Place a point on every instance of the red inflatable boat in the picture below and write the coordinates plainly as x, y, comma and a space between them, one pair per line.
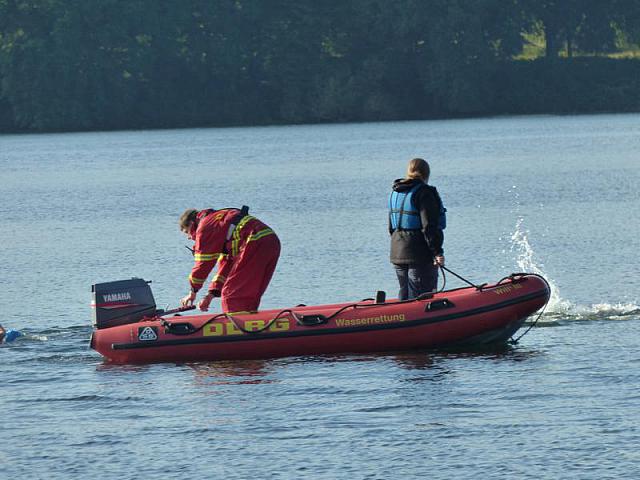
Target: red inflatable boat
129, 328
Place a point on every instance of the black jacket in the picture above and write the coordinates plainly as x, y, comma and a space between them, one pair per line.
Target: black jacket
418, 246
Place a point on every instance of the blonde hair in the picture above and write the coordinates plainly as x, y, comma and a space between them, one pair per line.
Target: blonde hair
418, 168
187, 218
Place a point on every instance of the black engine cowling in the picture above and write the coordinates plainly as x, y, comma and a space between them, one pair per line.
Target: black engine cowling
122, 301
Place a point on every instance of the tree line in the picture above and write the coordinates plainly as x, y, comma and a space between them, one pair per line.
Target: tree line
114, 64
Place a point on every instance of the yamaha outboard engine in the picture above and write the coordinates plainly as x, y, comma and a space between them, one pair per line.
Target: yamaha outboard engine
123, 301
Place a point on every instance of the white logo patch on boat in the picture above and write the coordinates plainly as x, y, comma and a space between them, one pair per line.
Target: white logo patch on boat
147, 334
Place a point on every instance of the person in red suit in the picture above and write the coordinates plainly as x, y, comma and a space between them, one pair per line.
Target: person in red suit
245, 249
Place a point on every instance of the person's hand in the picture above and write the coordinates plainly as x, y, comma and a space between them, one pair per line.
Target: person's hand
439, 260
206, 301
187, 300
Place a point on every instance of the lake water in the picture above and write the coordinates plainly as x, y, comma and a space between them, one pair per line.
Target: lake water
553, 195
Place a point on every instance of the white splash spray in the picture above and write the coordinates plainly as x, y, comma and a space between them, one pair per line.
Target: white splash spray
558, 307
526, 262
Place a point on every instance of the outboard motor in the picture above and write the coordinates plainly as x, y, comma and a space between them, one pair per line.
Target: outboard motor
123, 301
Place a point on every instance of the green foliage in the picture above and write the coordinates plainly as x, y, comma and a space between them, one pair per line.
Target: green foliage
107, 64
596, 84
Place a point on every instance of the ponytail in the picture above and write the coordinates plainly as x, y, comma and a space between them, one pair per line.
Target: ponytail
418, 169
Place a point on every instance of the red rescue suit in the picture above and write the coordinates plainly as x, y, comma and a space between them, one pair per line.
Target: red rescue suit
247, 254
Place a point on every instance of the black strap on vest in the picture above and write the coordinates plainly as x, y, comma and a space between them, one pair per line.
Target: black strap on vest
244, 211
404, 201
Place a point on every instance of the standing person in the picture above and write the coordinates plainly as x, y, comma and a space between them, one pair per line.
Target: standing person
246, 250
416, 223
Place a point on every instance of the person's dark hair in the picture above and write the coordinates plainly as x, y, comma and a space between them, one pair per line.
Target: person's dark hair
187, 218
418, 168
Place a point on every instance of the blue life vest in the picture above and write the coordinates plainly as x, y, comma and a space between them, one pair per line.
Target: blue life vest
404, 215
11, 335
442, 221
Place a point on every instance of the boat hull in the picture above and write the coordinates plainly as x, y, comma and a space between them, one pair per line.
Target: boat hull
462, 317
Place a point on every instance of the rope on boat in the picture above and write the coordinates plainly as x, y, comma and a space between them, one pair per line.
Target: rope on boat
444, 279
514, 341
188, 329
443, 268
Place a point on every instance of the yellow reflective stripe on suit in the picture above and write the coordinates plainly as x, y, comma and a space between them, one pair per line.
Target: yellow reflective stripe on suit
260, 234
205, 257
197, 281
235, 244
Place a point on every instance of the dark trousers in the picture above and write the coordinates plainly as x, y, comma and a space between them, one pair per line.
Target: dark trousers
415, 280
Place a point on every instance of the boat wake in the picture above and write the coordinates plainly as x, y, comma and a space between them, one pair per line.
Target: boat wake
51, 335
560, 310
